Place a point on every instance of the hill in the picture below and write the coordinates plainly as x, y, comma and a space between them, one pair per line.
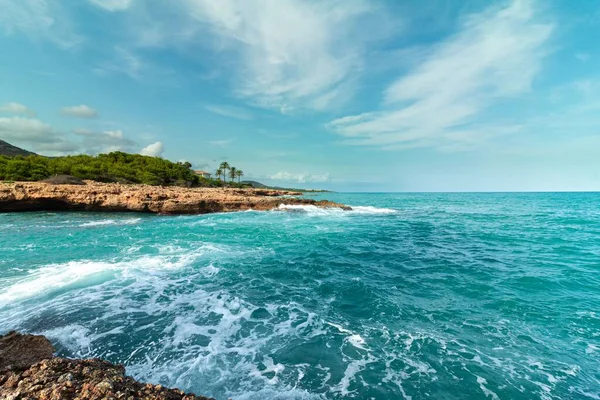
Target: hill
7, 149
254, 184
258, 185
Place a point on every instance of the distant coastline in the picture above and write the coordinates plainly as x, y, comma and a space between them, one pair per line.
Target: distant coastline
120, 181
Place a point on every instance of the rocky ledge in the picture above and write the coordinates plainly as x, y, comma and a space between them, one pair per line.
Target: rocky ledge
28, 370
94, 196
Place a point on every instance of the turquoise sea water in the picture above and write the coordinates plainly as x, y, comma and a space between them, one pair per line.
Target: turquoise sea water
445, 296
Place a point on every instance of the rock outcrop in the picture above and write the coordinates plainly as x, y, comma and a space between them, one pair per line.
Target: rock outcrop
64, 180
22, 351
29, 371
94, 196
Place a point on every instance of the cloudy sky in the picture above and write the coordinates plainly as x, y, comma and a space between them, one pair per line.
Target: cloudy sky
440, 95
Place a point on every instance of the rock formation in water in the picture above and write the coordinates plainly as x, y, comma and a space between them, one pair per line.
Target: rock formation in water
28, 370
94, 196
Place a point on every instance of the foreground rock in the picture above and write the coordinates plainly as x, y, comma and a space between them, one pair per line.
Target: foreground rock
28, 371
94, 196
21, 351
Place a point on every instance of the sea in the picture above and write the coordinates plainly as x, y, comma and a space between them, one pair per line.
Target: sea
408, 296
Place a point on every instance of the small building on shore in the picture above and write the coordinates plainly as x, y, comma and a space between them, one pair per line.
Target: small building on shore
202, 174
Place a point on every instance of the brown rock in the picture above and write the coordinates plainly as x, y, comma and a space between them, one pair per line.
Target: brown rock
94, 196
64, 180
40, 377
19, 352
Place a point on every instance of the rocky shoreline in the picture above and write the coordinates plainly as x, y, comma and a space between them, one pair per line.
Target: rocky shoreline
28, 370
95, 196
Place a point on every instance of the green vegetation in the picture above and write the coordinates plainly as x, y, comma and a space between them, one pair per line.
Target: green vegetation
233, 173
238, 174
112, 167
21, 165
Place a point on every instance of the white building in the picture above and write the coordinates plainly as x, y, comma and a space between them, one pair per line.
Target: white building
203, 174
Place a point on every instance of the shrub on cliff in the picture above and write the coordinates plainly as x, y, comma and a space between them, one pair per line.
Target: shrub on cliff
112, 167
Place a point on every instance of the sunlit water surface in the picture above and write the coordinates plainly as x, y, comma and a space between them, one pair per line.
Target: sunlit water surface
445, 296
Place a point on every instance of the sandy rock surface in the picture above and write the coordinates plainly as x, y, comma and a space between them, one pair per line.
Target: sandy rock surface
94, 196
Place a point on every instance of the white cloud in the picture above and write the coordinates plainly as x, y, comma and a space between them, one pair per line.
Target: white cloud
128, 62
291, 50
123, 62
229, 111
495, 55
301, 178
103, 142
153, 150
16, 108
285, 55
112, 5
281, 54
114, 134
33, 134
25, 129
40, 20
81, 111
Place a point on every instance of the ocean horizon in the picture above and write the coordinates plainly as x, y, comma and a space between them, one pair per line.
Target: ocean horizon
411, 295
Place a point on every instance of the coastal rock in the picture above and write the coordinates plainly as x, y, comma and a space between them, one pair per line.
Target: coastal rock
64, 180
21, 351
28, 371
95, 196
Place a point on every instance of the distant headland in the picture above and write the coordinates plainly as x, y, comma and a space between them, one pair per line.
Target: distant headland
19, 165
120, 181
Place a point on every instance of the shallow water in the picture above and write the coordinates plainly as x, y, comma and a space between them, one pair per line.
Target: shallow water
445, 296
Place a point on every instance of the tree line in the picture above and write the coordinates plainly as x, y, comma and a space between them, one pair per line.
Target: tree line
112, 167
226, 170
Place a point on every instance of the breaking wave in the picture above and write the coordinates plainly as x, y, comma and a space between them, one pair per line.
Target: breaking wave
320, 211
105, 222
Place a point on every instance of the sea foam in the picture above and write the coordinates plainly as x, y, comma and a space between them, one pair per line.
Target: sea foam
105, 222
320, 211
47, 279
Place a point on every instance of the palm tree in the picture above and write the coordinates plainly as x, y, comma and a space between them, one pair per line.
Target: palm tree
218, 173
239, 173
224, 167
232, 173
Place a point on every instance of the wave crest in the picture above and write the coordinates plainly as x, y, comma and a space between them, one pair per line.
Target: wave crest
314, 210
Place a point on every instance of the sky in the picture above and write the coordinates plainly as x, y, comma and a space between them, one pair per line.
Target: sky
348, 95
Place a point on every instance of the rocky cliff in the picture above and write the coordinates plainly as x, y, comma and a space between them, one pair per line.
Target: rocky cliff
28, 370
94, 196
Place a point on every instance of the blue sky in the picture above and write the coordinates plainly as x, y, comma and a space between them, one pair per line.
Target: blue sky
441, 95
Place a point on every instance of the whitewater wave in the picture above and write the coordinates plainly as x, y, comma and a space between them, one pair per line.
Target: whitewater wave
372, 210
319, 211
197, 338
56, 277
105, 222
